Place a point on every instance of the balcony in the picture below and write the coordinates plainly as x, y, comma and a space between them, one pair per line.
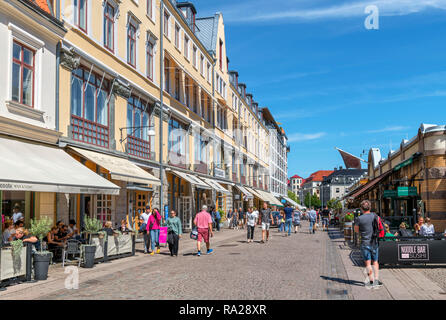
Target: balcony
89, 132
201, 167
138, 147
177, 160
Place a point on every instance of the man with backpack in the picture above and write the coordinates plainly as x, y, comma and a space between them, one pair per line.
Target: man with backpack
312, 217
370, 227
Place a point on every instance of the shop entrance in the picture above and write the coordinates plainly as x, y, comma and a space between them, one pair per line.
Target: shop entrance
185, 212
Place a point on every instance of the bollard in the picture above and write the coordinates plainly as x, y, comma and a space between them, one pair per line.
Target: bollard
133, 244
29, 263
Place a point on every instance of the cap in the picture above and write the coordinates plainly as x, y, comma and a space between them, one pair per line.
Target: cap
147, 207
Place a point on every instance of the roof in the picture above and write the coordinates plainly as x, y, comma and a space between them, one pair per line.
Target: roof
348, 172
207, 31
318, 176
296, 177
44, 5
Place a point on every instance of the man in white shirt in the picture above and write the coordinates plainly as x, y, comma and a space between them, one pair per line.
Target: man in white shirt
17, 214
145, 216
251, 220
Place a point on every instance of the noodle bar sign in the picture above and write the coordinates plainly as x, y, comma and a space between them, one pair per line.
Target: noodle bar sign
410, 252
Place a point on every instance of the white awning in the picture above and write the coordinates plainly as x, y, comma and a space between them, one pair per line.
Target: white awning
218, 187
245, 192
120, 168
253, 192
267, 196
292, 202
35, 167
192, 179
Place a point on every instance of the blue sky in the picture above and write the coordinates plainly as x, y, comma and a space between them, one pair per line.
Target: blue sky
331, 82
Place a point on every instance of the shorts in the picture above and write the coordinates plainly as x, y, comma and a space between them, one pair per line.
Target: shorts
369, 252
325, 221
265, 226
296, 223
203, 233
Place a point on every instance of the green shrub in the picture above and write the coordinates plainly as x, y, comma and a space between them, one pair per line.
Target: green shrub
40, 228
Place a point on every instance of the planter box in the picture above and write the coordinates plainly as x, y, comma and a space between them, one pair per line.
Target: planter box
12, 267
100, 243
119, 245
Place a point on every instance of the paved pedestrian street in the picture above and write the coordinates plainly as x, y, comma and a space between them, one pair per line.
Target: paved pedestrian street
300, 267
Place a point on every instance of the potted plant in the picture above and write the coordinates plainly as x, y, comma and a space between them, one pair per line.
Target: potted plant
41, 259
91, 226
348, 226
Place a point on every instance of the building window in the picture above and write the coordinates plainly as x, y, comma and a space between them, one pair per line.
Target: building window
150, 60
195, 97
166, 76
186, 91
221, 55
208, 72
203, 105
89, 107
150, 8
81, 10
138, 123
177, 141
109, 22
202, 64
177, 36
177, 84
209, 111
186, 47
166, 24
23, 74
194, 57
131, 45
104, 206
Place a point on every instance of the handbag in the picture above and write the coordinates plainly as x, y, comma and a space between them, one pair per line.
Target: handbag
142, 228
194, 233
170, 237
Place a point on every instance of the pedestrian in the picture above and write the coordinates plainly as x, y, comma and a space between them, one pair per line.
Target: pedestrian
296, 219
203, 222
326, 216
174, 232
251, 220
153, 227
288, 211
312, 217
229, 217
217, 219
144, 218
241, 218
364, 224
235, 220
267, 218
281, 220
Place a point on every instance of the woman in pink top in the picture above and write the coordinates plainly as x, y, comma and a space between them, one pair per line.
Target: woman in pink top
153, 227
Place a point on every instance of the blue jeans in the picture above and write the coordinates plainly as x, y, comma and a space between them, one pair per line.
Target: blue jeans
154, 237
369, 252
311, 225
281, 227
288, 223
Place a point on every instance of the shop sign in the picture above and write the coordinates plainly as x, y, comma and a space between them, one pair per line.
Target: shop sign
407, 192
219, 173
390, 194
407, 252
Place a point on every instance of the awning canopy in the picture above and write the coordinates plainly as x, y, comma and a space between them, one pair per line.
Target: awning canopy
268, 197
215, 185
290, 201
245, 192
368, 186
120, 169
35, 167
254, 193
197, 182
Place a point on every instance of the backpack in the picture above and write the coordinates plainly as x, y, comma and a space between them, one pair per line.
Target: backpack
378, 228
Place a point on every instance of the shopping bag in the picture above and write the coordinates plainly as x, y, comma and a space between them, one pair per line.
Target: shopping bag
163, 235
194, 234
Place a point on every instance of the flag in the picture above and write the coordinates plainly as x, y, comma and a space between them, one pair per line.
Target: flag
350, 161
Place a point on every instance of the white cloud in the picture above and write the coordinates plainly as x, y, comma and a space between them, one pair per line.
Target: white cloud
297, 137
389, 129
345, 10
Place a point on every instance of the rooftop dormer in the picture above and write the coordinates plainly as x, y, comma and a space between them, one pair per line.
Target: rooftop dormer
189, 12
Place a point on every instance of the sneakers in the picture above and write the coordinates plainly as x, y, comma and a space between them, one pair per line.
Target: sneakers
152, 253
261, 241
158, 251
198, 253
368, 285
377, 284
210, 251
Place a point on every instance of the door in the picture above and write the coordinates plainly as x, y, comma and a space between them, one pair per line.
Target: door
185, 212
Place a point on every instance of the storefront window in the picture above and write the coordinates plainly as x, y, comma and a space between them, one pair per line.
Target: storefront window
10, 199
104, 207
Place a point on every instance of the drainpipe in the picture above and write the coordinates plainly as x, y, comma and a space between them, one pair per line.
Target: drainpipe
161, 105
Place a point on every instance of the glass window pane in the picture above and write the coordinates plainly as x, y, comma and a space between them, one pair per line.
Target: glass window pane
16, 81
27, 87
145, 124
76, 97
28, 56
137, 129
90, 103
16, 50
82, 13
102, 108
129, 118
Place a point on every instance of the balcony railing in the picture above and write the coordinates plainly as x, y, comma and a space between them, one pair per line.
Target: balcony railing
201, 167
177, 160
89, 132
138, 147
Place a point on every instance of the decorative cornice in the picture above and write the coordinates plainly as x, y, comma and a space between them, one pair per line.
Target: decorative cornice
120, 88
69, 59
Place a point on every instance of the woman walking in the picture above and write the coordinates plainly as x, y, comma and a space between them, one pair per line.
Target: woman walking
153, 227
174, 232
296, 220
251, 220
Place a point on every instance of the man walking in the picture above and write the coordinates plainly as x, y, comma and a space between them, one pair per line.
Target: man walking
312, 217
366, 225
267, 217
241, 218
203, 221
251, 220
145, 217
326, 216
288, 219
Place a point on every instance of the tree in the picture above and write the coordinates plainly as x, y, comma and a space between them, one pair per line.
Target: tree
293, 196
334, 204
312, 200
